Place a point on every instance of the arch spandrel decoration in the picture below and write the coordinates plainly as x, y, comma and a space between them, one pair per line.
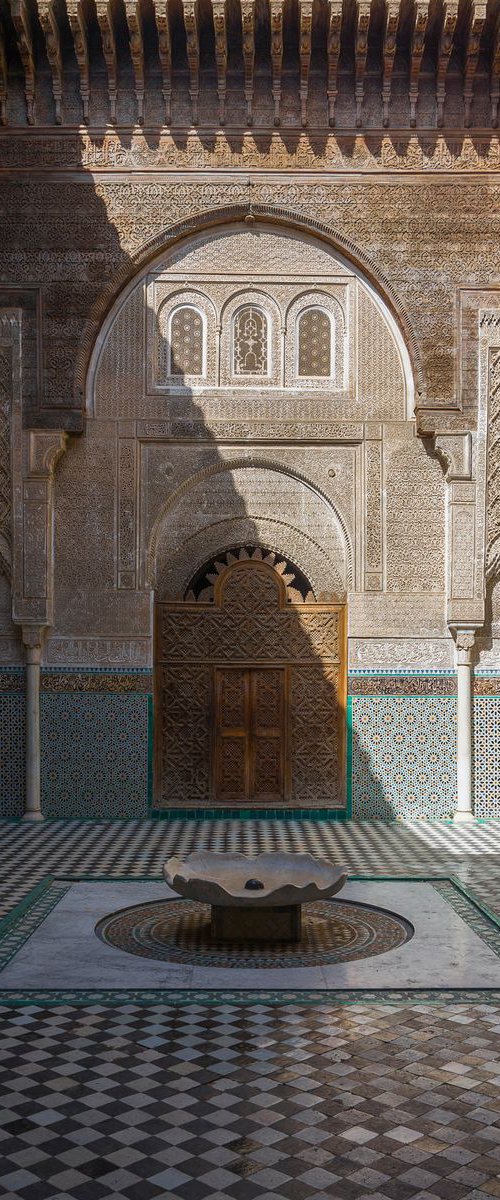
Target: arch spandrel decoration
250, 627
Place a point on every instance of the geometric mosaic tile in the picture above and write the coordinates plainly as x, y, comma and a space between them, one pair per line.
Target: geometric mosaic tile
403, 757
95, 755
487, 756
12, 754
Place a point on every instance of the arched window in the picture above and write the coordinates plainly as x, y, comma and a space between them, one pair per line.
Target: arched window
315, 344
186, 341
250, 341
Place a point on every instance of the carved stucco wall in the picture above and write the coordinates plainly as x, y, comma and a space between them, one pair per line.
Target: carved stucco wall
379, 478
154, 489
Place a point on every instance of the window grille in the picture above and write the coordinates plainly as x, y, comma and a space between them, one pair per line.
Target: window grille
315, 344
186, 342
250, 342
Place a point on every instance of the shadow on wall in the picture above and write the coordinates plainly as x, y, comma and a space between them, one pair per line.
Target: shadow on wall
95, 748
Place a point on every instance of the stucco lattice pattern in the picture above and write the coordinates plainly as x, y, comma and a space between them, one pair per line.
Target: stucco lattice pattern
403, 757
94, 755
12, 753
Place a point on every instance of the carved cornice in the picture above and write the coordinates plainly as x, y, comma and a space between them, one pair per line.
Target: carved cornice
3, 79
305, 36
190, 11
333, 54
78, 26
420, 19
134, 23
105, 20
220, 30
392, 8
361, 52
165, 54
50, 27
477, 20
450, 13
22, 25
276, 10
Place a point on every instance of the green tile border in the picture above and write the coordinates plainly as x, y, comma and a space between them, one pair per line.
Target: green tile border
29, 914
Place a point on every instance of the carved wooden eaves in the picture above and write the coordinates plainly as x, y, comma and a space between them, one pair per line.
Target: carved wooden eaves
420, 19
305, 37
276, 11
3, 80
248, 35
361, 51
105, 20
21, 20
52, 37
392, 9
134, 23
495, 76
190, 10
478, 18
78, 28
333, 54
220, 30
165, 53
450, 13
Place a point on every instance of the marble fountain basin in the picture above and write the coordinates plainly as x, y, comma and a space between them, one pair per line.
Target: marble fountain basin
257, 898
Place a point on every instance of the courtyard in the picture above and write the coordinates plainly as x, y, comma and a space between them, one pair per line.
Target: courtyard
249, 1093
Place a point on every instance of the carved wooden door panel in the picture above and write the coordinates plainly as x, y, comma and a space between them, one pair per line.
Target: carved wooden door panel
249, 753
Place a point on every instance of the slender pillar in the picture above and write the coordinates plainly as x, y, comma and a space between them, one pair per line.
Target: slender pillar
465, 646
33, 653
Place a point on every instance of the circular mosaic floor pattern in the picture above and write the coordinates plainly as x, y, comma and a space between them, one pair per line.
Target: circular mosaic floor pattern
179, 931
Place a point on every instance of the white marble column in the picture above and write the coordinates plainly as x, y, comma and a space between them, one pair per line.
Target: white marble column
33, 653
464, 649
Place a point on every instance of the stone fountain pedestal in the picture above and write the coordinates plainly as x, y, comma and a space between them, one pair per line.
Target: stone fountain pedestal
254, 899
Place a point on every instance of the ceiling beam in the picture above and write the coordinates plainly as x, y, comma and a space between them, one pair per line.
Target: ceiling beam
190, 10
134, 23
420, 19
276, 8
333, 55
52, 37
165, 54
305, 38
391, 23
3, 79
450, 13
475, 32
21, 20
360, 54
495, 76
248, 35
220, 30
105, 20
78, 26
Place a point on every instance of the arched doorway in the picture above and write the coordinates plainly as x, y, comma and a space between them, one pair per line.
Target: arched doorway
250, 689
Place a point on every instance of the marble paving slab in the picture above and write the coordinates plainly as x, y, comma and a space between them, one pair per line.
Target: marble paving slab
64, 952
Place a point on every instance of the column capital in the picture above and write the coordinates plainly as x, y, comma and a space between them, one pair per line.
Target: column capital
464, 642
32, 636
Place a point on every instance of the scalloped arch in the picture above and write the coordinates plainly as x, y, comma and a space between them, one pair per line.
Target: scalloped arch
273, 214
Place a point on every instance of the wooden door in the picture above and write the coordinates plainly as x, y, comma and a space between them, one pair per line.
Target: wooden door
249, 752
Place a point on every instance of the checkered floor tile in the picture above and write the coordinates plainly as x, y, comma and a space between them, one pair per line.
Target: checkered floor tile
278, 1102
250, 1104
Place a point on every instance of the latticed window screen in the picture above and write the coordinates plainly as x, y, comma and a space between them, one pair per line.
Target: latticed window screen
315, 343
186, 342
250, 342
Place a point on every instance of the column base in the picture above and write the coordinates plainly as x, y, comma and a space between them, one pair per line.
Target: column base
33, 816
464, 816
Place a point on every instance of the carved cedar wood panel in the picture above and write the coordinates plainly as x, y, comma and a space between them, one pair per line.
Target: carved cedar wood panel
263, 676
